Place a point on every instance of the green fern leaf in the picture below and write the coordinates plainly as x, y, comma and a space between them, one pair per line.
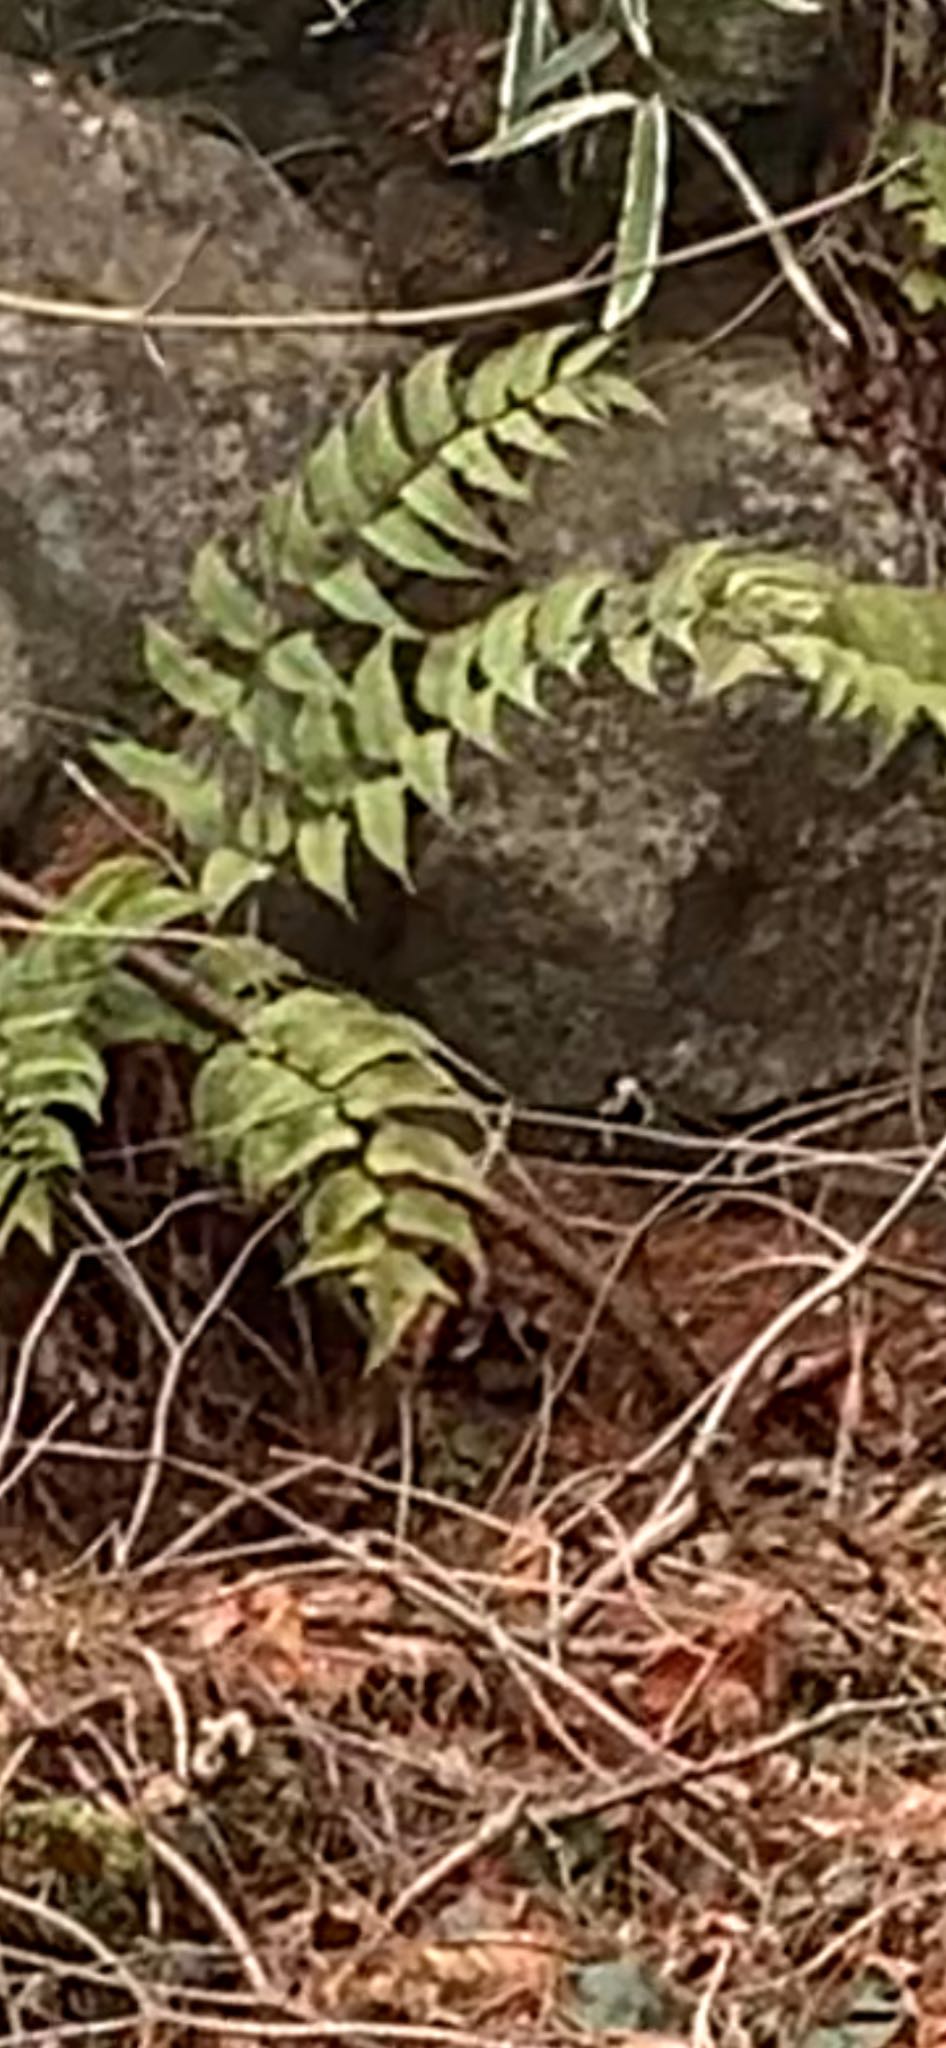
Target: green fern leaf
291, 548
381, 461
443, 678
226, 604
405, 540
560, 614
343, 1202
433, 497
563, 402
533, 357
521, 429
30, 1211
401, 1151
397, 1287
424, 762
264, 725
434, 1219
378, 713
322, 854
472, 456
68, 1076
320, 750
633, 656
475, 716
395, 1086
126, 1012
272, 1154
519, 371
349, 1258
618, 394
429, 409
350, 592
381, 813
503, 650
239, 1090
298, 666
335, 492
193, 797
263, 827
127, 890
316, 1030
187, 678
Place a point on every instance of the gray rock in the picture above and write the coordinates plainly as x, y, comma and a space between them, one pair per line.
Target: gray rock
734, 54
723, 903
115, 462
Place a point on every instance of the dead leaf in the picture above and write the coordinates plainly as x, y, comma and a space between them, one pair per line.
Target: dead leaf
727, 1678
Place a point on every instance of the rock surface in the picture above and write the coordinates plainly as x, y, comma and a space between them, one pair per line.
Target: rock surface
719, 902
115, 462
733, 54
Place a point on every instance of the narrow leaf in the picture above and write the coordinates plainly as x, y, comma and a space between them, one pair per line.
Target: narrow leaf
635, 19
575, 59
759, 209
641, 218
549, 124
530, 31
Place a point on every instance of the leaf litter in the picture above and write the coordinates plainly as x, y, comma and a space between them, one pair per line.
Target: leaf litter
385, 1725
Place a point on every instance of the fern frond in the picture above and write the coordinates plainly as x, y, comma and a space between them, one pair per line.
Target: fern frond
312, 1100
62, 997
310, 738
867, 653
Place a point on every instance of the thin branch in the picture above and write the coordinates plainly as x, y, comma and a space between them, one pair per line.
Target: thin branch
29, 1347
141, 319
178, 1348
836, 1280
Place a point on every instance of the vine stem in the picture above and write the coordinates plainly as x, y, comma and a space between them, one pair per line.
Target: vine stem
654, 1344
